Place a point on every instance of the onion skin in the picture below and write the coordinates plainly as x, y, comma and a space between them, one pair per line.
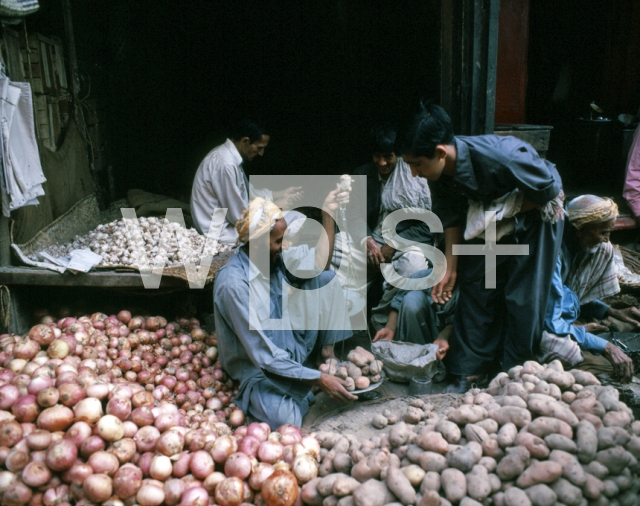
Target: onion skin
55, 418
16, 494
201, 464
36, 474
196, 496
10, 433
280, 489
61, 455
127, 481
98, 487
25, 409
104, 463
230, 492
150, 495
239, 465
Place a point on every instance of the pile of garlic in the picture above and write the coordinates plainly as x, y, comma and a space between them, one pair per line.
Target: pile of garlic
150, 242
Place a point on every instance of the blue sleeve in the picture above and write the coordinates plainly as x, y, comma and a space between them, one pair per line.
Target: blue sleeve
594, 309
264, 354
562, 310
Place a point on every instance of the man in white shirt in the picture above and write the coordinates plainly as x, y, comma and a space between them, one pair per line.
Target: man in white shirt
221, 183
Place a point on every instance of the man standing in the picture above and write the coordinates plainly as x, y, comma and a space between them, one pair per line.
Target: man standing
271, 351
221, 183
502, 326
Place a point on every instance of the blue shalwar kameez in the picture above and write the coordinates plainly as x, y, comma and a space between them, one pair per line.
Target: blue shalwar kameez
504, 324
273, 366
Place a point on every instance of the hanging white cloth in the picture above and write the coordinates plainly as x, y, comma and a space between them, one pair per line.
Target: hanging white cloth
23, 176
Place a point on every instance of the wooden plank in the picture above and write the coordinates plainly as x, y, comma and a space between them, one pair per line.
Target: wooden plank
35, 276
539, 139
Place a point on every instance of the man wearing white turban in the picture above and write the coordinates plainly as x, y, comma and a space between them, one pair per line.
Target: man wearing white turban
269, 333
585, 273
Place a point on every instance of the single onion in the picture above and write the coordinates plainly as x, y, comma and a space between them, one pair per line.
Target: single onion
78, 433
77, 473
201, 464
182, 465
88, 410
61, 455
6, 479
58, 349
55, 418
170, 442
261, 471
230, 492
142, 416
195, 496
98, 488
146, 438
98, 390
236, 418
48, 397
150, 494
127, 481
25, 409
39, 440
119, 407
42, 334
290, 434
104, 463
16, 494
110, 428
211, 481
223, 447
249, 446
173, 490
16, 460
91, 445
160, 468
124, 449
71, 394
305, 468
130, 429
238, 465
56, 495
280, 489
270, 452
25, 348
257, 430
11, 433
36, 474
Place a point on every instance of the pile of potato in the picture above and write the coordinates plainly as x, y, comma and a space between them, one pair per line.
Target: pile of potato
362, 370
536, 436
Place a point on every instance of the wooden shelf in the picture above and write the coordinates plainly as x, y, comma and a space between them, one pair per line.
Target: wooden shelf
105, 279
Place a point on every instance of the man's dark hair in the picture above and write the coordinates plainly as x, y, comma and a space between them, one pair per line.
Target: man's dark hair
424, 130
247, 127
382, 139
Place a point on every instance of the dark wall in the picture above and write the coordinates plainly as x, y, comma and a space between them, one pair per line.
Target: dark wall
582, 51
170, 74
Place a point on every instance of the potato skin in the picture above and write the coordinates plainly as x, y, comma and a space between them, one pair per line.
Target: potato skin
454, 483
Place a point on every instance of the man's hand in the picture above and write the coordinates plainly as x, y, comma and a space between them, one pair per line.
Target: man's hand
334, 200
387, 252
622, 364
289, 197
384, 334
334, 387
374, 255
630, 315
443, 347
442, 341
443, 291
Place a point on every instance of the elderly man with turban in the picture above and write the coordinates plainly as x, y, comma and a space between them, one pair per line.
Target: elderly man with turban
272, 323
585, 273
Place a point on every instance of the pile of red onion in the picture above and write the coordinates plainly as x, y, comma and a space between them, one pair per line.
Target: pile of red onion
121, 410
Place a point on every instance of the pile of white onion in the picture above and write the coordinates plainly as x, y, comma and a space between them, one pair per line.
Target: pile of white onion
131, 410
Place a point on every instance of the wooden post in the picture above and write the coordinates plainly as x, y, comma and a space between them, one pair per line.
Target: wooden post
468, 62
5, 241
